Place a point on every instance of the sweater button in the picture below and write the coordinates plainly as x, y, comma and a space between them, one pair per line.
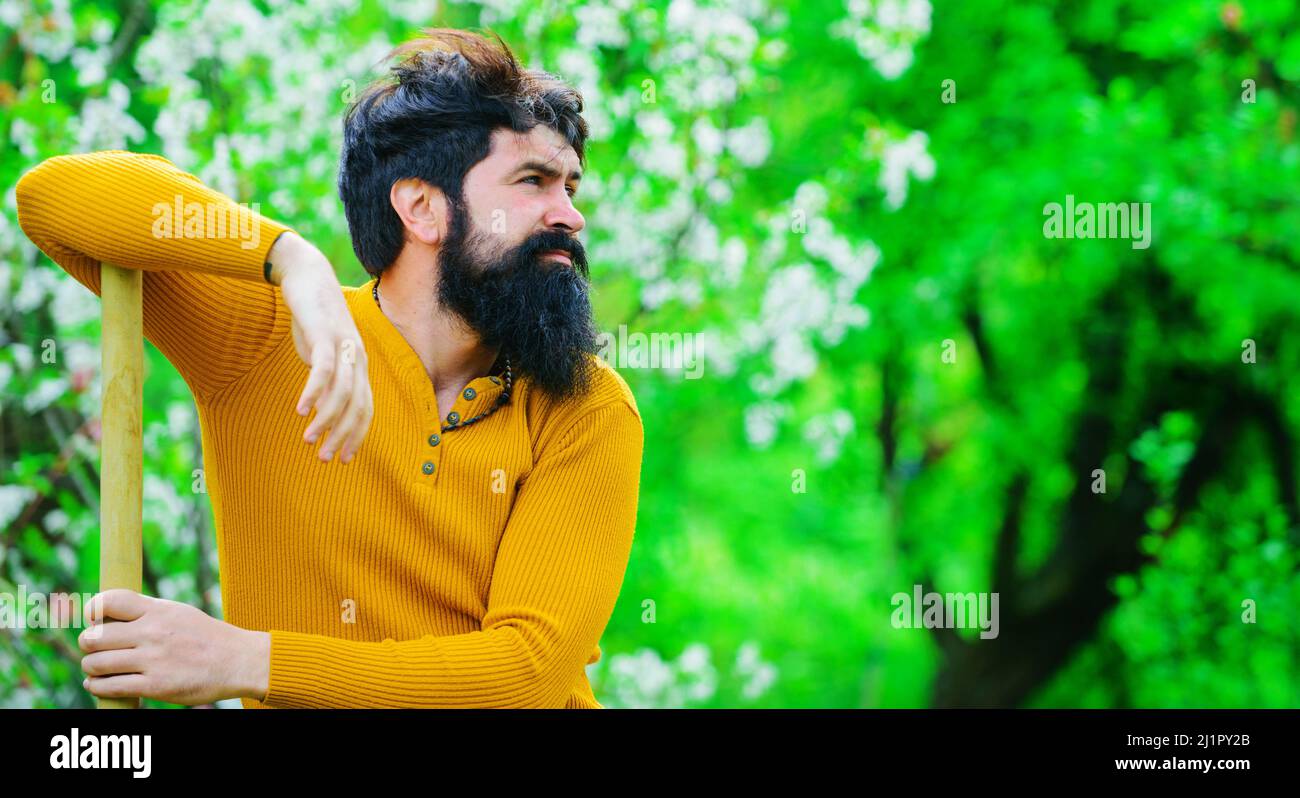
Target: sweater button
427, 467
434, 439
453, 417
469, 393
495, 380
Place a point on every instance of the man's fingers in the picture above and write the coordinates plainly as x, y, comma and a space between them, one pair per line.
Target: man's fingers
329, 402
360, 411
129, 686
332, 406
322, 374
343, 431
362, 427
104, 637
108, 663
116, 604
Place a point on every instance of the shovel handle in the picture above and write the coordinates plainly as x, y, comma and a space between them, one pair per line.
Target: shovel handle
121, 466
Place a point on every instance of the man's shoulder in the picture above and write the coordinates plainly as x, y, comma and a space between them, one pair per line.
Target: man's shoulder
356, 293
606, 389
359, 298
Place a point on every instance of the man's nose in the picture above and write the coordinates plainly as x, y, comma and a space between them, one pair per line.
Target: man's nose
562, 214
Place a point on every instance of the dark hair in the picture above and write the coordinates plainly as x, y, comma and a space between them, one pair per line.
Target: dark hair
452, 88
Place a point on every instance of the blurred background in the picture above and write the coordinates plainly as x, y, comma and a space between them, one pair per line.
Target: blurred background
902, 380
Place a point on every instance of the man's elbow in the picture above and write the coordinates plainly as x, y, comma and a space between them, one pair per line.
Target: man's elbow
29, 194
545, 676
41, 194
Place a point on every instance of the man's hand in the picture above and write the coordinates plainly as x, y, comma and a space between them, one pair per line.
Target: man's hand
328, 341
169, 651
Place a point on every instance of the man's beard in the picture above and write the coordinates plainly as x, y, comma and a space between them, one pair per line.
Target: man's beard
538, 314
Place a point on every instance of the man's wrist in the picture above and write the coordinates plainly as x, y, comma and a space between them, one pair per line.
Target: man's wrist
276, 258
290, 253
254, 675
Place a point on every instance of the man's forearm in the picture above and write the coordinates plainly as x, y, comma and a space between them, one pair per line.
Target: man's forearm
290, 253
138, 211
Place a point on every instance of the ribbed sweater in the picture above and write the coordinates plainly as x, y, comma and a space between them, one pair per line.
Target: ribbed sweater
476, 567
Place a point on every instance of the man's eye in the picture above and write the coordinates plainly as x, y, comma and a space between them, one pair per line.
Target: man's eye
570, 189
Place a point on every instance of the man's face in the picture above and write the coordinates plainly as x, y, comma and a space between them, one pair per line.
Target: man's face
511, 265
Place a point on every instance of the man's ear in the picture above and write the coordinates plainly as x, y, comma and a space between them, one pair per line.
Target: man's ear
422, 209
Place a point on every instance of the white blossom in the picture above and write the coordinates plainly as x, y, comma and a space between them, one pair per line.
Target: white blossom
885, 32
898, 159
13, 498
750, 143
105, 124
45, 393
761, 421
749, 665
599, 26
826, 434
23, 135
72, 304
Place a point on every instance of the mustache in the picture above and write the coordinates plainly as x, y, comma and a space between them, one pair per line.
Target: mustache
558, 241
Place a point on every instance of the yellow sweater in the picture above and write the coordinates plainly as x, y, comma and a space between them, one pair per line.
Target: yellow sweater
485, 583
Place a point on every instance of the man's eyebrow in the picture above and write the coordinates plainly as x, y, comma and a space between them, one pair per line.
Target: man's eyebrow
545, 169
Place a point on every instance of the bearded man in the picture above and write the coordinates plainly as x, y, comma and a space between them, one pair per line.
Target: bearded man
467, 546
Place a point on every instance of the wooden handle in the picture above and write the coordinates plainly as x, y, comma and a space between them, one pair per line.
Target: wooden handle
121, 466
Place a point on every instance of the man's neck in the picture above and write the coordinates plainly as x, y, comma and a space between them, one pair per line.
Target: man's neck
451, 355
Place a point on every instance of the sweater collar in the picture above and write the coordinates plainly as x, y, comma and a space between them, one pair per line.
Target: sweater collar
397, 350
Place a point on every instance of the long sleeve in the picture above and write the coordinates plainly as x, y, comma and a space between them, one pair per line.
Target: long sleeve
207, 305
557, 575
